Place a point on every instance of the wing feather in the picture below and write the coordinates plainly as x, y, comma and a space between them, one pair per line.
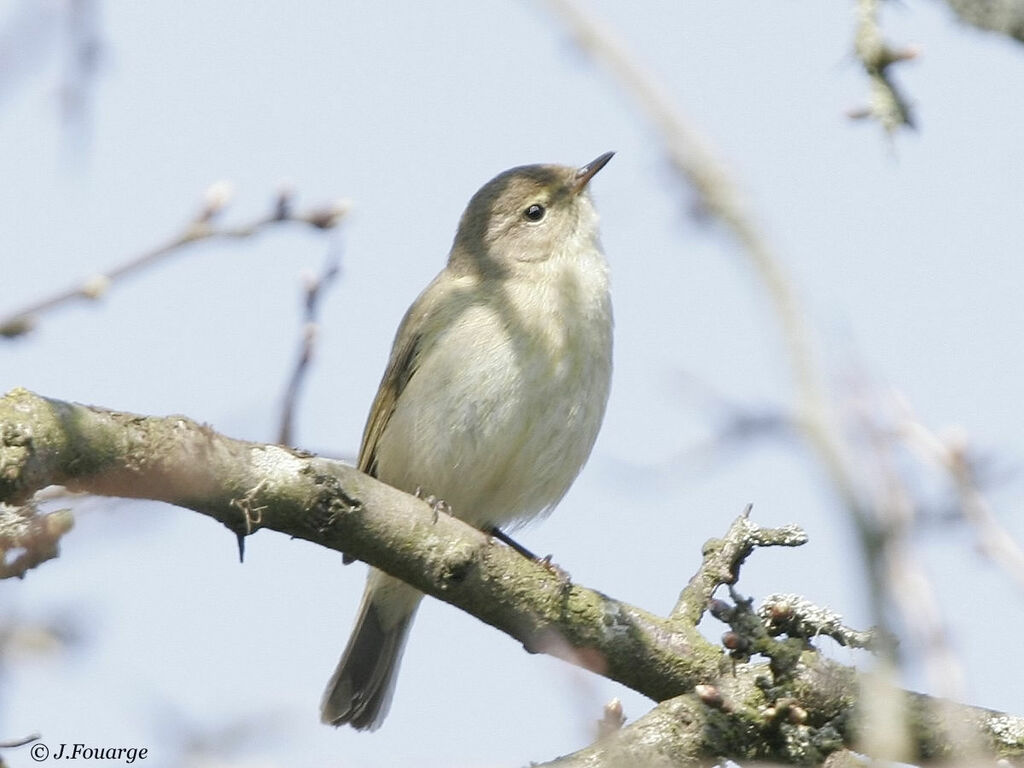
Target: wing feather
401, 367
440, 304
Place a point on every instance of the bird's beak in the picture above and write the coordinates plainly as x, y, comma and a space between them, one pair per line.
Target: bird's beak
586, 173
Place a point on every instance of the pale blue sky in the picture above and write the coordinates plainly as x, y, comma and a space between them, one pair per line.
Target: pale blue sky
906, 256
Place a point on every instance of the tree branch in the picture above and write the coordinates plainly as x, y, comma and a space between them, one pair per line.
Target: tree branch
249, 486
735, 720
723, 558
799, 708
313, 292
201, 227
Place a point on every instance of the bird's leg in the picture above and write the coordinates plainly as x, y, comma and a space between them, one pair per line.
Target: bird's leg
496, 533
504, 538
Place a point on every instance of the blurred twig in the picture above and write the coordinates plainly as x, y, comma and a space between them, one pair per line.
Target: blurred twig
886, 103
733, 425
898, 571
20, 742
203, 226
884, 510
36, 32
951, 453
1004, 16
694, 160
84, 53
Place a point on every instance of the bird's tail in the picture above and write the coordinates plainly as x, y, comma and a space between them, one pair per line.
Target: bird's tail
359, 693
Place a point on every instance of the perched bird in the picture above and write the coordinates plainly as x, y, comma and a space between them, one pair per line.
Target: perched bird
493, 395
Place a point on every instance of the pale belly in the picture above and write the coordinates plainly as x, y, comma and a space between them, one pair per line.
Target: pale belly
499, 431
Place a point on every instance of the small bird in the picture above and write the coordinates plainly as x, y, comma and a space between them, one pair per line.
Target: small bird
493, 395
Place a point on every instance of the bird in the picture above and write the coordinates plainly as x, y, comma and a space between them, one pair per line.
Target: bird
493, 395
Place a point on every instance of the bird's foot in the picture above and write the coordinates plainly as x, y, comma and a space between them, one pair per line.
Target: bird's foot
437, 505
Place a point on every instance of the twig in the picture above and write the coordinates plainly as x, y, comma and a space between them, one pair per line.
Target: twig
886, 103
28, 538
20, 742
796, 616
951, 452
83, 57
201, 227
898, 574
612, 719
723, 558
314, 290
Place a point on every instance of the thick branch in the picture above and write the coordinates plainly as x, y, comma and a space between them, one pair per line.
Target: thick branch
735, 720
248, 486
712, 707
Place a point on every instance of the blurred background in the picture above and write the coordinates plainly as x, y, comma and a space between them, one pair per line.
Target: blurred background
901, 249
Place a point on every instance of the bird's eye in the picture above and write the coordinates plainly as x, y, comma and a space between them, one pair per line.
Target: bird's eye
534, 212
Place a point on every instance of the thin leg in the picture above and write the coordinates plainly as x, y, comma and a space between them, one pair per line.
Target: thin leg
506, 539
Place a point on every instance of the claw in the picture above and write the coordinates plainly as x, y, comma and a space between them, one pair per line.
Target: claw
556, 569
436, 505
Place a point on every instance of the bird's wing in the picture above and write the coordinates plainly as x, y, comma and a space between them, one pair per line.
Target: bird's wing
440, 305
401, 367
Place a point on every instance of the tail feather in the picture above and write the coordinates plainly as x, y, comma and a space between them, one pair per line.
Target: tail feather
359, 693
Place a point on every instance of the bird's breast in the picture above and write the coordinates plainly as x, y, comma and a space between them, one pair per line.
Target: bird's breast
504, 408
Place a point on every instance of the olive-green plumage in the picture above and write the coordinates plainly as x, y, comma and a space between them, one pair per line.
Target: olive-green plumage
494, 392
